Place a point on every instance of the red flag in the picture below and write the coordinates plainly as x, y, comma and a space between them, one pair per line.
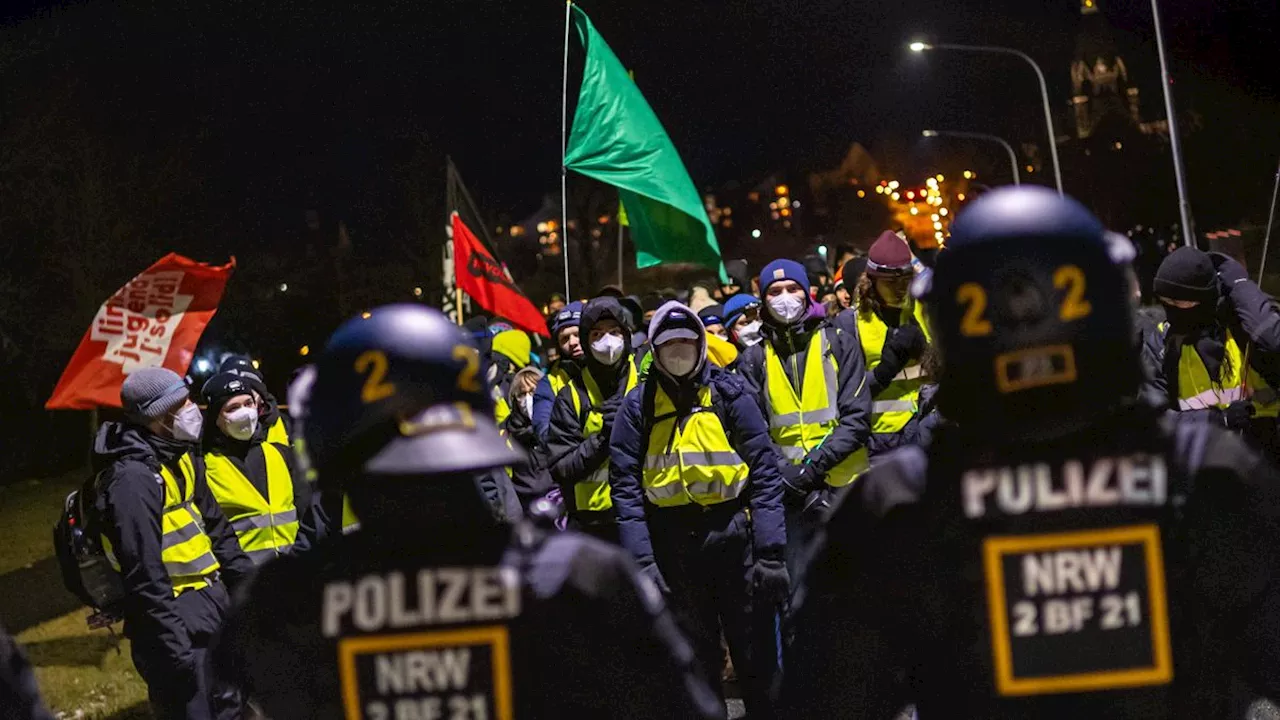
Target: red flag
483, 278
154, 320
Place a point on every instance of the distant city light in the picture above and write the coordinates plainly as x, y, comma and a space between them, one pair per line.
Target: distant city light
863, 193
1031, 168
942, 212
795, 204
931, 182
305, 350
896, 196
911, 195
937, 226
417, 292
781, 190
914, 210
968, 174
879, 189
366, 315
822, 250
755, 233
934, 217
284, 287
257, 364
960, 197
922, 46
939, 176
893, 184
203, 365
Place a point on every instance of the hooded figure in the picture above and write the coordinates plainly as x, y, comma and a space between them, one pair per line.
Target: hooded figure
690, 454
1217, 321
257, 483
582, 418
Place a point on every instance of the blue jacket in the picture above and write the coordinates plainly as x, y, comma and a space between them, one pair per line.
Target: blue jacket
749, 436
544, 398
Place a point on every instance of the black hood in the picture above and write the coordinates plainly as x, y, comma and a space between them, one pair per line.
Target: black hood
596, 310
125, 441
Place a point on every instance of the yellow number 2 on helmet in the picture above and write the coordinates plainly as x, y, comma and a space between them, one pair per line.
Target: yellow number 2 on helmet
469, 378
373, 364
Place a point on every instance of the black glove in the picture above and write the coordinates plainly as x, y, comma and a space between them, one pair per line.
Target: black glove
909, 341
1238, 414
817, 504
770, 582
654, 575
797, 480
609, 410
1230, 272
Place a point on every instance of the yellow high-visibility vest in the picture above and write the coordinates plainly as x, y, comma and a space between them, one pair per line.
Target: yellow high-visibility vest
689, 459
266, 527
278, 434
350, 523
592, 492
800, 424
186, 551
1196, 391
897, 403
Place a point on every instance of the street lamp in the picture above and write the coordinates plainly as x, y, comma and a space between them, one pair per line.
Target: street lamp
1044, 90
1013, 159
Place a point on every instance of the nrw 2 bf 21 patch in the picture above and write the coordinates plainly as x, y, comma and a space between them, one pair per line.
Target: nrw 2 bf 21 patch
1078, 611
460, 674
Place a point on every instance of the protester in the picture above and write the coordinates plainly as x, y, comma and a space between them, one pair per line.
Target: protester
690, 453
531, 480
742, 317
894, 336
565, 331
257, 483
173, 547
276, 422
809, 383
583, 416
1219, 323
712, 317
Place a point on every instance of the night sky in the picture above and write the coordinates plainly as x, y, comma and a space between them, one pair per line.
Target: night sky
302, 106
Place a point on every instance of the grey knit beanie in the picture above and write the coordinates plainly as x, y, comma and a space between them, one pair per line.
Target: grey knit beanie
151, 393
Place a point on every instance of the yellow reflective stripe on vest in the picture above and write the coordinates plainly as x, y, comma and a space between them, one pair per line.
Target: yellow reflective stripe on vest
690, 460
592, 492
278, 434
1197, 391
185, 549
800, 423
265, 526
350, 523
897, 403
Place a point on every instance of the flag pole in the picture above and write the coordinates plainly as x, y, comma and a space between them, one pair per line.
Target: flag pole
620, 256
1271, 218
564, 149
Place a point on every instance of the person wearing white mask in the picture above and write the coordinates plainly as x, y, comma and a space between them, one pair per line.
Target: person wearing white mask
162, 531
582, 418
256, 482
698, 497
810, 382
742, 319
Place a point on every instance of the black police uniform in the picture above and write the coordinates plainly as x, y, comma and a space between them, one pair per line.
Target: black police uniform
1059, 549
19, 698
905, 585
435, 608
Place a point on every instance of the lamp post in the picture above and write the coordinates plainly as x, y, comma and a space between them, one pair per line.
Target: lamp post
920, 47
1013, 158
1175, 144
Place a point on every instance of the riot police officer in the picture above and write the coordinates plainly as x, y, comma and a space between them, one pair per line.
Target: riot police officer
1059, 549
435, 608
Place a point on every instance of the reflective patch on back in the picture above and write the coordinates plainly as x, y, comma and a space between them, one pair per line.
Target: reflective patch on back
1078, 611
443, 675
1035, 367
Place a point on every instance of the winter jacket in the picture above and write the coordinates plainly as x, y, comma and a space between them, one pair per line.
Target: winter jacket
749, 436
853, 396
19, 697
130, 502
531, 480
544, 396
573, 457
250, 459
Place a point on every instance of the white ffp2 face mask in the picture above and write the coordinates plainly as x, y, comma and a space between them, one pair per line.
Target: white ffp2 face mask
787, 307
239, 424
187, 424
526, 402
608, 349
750, 334
678, 359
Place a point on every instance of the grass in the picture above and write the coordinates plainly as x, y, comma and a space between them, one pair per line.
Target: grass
82, 674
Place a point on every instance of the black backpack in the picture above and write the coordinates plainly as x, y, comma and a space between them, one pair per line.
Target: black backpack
86, 571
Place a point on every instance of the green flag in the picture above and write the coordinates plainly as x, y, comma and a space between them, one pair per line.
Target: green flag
617, 139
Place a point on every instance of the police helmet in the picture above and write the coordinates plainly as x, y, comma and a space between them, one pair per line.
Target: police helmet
399, 392
1030, 308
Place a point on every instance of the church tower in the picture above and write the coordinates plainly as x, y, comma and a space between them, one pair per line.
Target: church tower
1100, 84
